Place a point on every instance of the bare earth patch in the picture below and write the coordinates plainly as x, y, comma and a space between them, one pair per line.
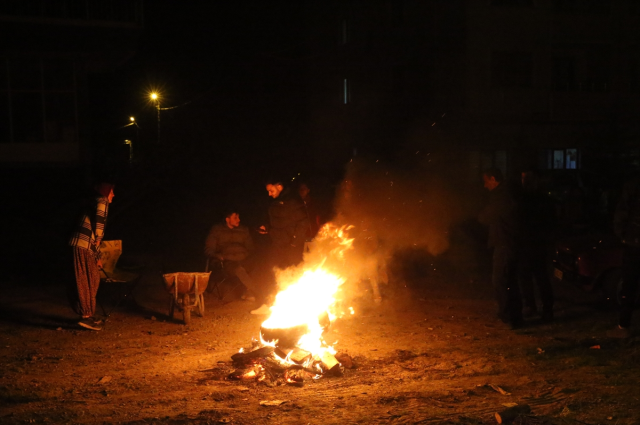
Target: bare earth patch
431, 356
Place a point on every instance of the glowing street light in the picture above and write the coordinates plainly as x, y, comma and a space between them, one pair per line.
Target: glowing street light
155, 97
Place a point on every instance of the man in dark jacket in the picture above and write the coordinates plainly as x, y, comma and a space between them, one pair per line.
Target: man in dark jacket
626, 224
501, 215
288, 227
230, 243
538, 221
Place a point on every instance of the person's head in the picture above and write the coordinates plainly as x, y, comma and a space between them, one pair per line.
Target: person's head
303, 190
492, 178
105, 189
274, 188
530, 178
232, 218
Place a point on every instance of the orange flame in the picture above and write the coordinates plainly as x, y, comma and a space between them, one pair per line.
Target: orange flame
310, 290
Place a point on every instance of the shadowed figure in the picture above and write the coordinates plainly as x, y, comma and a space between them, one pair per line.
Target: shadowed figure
627, 227
538, 222
501, 216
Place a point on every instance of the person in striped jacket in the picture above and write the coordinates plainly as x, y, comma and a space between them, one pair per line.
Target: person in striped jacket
85, 243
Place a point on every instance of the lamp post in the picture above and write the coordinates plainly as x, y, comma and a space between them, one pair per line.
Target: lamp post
130, 143
155, 97
133, 122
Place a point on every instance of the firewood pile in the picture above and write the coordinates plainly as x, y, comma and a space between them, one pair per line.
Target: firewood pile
287, 366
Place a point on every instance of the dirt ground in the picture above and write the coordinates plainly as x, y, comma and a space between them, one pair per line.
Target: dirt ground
432, 354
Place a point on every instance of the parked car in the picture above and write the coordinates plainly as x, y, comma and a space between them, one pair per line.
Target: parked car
590, 261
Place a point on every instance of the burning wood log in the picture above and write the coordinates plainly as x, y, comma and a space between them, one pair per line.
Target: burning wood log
330, 364
295, 376
299, 356
244, 358
345, 360
252, 373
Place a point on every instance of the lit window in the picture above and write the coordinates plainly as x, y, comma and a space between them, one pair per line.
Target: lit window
563, 159
558, 160
572, 159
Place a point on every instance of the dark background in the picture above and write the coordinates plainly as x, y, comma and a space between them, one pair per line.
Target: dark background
426, 93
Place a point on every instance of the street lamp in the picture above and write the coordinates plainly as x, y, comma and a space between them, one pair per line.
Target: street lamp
130, 143
155, 97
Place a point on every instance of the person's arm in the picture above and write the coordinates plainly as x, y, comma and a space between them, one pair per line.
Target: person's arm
211, 244
102, 209
248, 241
301, 219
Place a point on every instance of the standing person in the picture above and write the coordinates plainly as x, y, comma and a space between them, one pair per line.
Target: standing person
310, 207
538, 222
626, 223
85, 242
230, 243
501, 216
288, 227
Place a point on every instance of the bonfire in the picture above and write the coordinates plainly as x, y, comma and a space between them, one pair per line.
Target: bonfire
291, 344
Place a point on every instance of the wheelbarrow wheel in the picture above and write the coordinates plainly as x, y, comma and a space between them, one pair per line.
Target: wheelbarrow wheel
201, 305
186, 309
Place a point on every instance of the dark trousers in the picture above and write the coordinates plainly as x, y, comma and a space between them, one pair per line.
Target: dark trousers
505, 284
284, 256
532, 265
82, 294
630, 279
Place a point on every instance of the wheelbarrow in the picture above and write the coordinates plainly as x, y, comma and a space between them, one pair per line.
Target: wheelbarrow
185, 287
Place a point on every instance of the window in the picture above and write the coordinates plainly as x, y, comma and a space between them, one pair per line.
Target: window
595, 65
511, 69
564, 74
563, 159
37, 101
572, 159
112, 10
583, 7
513, 3
598, 65
558, 160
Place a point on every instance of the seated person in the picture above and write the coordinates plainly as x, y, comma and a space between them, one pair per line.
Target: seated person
231, 243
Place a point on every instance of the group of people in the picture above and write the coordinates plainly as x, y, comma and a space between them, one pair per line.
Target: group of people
292, 222
521, 223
